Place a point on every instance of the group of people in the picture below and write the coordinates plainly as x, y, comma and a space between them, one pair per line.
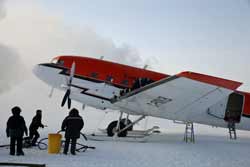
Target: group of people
16, 128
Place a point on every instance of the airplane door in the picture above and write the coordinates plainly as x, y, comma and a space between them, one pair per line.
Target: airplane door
234, 108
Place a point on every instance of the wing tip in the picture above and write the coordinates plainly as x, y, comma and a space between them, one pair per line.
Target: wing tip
221, 82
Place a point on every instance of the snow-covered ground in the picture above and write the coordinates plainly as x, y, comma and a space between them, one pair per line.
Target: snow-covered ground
210, 150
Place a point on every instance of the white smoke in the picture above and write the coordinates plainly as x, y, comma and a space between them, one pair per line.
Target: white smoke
2, 9
40, 35
11, 67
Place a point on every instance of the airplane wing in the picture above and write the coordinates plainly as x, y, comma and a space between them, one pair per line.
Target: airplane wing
186, 97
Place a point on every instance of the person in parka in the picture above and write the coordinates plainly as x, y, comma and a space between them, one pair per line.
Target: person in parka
16, 128
72, 125
35, 124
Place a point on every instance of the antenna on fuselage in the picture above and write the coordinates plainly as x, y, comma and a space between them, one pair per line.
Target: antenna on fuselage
102, 57
145, 67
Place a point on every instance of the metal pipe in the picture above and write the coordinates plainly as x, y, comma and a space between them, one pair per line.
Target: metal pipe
118, 125
128, 126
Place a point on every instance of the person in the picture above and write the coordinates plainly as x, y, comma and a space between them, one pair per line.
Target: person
35, 124
16, 128
72, 125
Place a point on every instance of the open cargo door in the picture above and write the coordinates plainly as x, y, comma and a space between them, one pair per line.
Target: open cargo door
234, 108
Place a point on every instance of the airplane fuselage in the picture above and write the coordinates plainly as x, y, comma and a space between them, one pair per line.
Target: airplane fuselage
98, 82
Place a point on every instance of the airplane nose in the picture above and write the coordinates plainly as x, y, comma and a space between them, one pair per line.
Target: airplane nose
41, 72
36, 70
48, 74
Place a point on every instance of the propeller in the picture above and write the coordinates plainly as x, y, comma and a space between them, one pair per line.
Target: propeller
66, 97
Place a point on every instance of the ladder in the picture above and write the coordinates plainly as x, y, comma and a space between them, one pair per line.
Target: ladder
232, 130
189, 132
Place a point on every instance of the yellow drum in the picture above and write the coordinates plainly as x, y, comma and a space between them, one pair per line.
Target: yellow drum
54, 143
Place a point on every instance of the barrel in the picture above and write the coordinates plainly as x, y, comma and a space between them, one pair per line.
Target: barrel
54, 143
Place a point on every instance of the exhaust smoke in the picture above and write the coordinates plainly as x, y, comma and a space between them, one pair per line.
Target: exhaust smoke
10, 64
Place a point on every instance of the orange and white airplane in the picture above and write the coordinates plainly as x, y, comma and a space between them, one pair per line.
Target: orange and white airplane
187, 96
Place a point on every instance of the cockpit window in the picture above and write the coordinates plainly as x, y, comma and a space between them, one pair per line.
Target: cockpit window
57, 61
54, 61
60, 62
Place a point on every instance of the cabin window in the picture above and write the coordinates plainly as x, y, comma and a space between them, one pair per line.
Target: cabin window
109, 78
125, 82
94, 75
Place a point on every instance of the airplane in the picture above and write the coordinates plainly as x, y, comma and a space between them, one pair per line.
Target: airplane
187, 97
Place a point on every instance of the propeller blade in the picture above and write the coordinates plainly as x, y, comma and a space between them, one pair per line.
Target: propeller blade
65, 97
72, 72
69, 103
69, 82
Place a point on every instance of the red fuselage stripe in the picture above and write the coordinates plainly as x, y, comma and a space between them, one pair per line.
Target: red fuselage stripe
122, 75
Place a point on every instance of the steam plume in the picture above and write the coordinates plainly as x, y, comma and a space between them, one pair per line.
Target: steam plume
10, 63
2, 11
41, 36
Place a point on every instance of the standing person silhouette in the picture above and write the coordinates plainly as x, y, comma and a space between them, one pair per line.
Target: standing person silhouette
16, 128
72, 125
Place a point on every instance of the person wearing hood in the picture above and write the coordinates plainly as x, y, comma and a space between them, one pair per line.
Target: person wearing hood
35, 124
16, 128
72, 125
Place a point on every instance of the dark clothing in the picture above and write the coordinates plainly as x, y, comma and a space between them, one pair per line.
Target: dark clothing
140, 82
16, 128
16, 141
73, 145
35, 124
34, 135
72, 125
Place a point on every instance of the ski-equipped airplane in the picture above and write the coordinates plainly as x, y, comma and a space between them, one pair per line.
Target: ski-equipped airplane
187, 96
